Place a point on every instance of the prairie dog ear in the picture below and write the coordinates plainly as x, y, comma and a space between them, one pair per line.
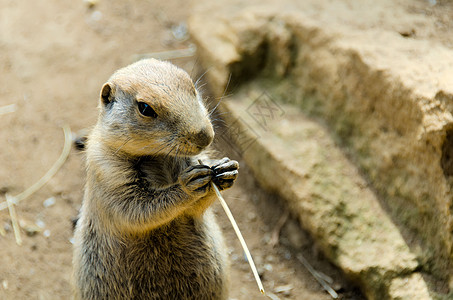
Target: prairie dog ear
107, 93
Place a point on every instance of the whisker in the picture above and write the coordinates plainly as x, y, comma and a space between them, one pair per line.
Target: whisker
163, 147
224, 96
201, 77
221, 121
193, 66
214, 109
175, 158
218, 114
221, 98
172, 148
159, 149
119, 148
201, 86
227, 86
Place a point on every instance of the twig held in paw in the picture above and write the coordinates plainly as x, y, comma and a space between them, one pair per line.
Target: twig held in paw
239, 235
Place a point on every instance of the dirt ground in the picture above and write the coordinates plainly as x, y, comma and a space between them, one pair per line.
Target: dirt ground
54, 57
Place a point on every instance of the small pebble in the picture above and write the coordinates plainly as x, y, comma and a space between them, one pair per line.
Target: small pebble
29, 228
284, 289
251, 216
7, 227
266, 238
180, 31
270, 258
287, 255
91, 3
268, 267
5, 284
95, 16
40, 223
46, 233
49, 202
71, 240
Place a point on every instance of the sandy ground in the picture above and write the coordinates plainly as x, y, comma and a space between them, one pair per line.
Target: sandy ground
54, 57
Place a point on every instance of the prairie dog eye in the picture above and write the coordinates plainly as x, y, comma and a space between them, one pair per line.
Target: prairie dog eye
146, 110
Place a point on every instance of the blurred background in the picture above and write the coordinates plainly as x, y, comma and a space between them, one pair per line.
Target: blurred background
339, 113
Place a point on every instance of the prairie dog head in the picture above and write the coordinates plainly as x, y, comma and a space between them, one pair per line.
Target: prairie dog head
152, 107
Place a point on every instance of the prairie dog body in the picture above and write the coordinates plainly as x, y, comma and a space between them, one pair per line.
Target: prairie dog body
146, 230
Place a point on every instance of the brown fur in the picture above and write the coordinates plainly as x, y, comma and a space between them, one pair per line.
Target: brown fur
146, 230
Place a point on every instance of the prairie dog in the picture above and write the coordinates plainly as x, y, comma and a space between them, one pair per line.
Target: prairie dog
146, 230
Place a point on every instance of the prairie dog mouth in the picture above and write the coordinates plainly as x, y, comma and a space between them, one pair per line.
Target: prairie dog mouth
189, 148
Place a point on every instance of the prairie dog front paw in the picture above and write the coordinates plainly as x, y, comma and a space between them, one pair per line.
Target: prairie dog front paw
196, 180
225, 173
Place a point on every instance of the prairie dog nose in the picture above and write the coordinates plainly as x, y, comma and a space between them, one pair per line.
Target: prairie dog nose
203, 138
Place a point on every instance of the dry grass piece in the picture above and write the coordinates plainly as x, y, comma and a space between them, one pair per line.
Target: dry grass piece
13, 216
7, 109
317, 276
241, 239
239, 235
43, 180
2, 231
168, 55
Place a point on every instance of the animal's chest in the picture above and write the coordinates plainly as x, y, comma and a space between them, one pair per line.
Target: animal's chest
161, 174
176, 262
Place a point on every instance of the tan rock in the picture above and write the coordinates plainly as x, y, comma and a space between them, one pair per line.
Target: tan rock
385, 97
412, 287
298, 158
